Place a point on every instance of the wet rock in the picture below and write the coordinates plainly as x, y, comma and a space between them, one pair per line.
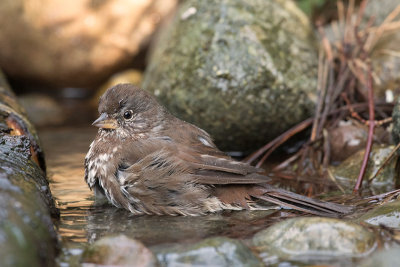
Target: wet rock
387, 214
42, 110
347, 172
314, 238
245, 71
76, 43
218, 251
27, 234
119, 251
383, 258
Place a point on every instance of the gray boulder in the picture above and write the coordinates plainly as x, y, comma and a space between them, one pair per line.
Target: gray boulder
245, 71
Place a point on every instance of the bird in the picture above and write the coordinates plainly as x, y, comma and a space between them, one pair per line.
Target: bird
147, 161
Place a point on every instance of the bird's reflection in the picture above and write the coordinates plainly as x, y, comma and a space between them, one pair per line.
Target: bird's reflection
155, 230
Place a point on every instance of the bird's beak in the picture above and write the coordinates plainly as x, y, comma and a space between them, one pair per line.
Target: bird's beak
105, 122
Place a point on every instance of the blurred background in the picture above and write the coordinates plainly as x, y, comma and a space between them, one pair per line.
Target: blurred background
59, 57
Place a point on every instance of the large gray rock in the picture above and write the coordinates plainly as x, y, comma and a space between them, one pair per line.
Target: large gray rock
245, 71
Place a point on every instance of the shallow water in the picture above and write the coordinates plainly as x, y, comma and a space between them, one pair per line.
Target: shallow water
65, 151
82, 222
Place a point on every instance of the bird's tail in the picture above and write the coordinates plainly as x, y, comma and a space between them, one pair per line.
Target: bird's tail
295, 201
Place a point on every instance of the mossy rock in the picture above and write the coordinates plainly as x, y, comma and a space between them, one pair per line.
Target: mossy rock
245, 71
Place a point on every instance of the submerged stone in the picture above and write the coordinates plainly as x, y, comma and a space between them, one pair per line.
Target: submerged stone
217, 251
245, 71
119, 251
314, 238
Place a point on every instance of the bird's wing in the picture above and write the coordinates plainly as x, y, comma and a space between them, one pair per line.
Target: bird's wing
211, 168
226, 178
166, 169
208, 162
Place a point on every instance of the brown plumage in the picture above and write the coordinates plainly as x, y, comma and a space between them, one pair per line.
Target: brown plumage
147, 161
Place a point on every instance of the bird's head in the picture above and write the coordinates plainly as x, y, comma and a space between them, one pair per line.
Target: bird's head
128, 110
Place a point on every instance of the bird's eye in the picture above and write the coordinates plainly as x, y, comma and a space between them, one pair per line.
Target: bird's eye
128, 114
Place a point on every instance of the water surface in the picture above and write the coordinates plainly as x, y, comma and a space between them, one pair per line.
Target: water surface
82, 222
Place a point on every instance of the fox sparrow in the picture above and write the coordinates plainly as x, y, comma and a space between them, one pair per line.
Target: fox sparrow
147, 161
